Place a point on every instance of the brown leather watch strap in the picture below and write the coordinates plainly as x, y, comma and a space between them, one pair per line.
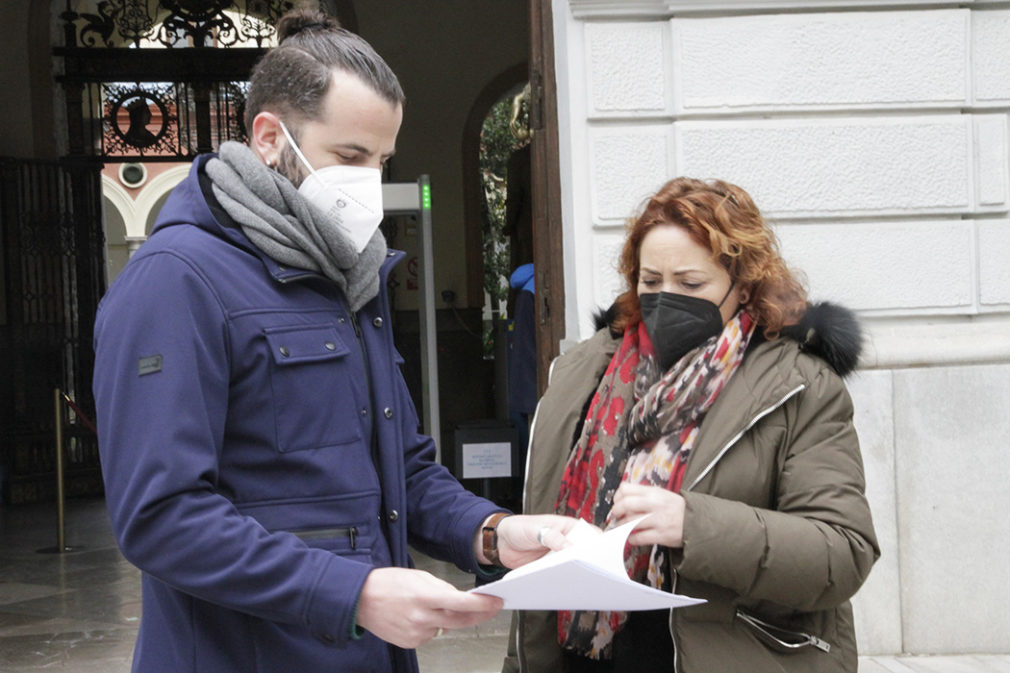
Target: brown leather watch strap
489, 537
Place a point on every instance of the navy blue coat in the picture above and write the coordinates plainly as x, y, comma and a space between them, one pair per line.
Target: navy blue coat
260, 453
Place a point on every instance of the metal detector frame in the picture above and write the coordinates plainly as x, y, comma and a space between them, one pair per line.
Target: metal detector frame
414, 198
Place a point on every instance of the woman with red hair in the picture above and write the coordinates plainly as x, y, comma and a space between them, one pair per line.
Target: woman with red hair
711, 400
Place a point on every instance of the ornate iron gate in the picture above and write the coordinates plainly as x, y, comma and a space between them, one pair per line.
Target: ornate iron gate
53, 266
143, 80
160, 80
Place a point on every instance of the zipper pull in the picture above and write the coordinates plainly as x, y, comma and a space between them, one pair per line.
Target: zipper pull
352, 533
822, 645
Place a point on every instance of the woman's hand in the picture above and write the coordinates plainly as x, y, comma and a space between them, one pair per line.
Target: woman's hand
665, 523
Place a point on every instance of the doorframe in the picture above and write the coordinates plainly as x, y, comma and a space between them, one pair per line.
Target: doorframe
545, 179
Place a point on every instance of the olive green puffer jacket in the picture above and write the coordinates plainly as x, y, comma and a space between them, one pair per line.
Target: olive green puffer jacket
777, 532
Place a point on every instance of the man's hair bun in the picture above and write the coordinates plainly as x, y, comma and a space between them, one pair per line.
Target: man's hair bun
303, 20
292, 79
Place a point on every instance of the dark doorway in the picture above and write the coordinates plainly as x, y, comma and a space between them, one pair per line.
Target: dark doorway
53, 276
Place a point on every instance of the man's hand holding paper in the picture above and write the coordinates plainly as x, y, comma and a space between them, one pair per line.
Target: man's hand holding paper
523, 539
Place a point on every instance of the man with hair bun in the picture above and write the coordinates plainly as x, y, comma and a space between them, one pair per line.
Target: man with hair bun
260, 451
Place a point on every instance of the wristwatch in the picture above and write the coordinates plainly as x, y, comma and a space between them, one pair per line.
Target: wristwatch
489, 537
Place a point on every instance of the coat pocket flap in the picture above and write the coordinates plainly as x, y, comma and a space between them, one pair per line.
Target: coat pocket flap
305, 343
782, 639
332, 511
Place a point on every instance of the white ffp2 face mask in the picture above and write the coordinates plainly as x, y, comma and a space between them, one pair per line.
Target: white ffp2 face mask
351, 196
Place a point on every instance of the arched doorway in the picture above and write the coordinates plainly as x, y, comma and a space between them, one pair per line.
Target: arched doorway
499, 88
117, 210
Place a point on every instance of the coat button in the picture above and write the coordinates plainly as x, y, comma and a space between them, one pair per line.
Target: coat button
330, 346
393, 515
377, 322
364, 411
388, 412
284, 351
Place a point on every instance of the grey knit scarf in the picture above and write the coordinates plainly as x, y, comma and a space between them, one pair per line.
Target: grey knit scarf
289, 229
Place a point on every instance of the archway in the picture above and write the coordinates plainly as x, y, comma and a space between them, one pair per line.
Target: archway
506, 81
153, 197
118, 210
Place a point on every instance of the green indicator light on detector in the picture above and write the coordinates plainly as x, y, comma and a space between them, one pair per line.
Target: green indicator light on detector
426, 197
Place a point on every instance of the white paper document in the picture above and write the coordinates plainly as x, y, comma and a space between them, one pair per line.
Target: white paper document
589, 575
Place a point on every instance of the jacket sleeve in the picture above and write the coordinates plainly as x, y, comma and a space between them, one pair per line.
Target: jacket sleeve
816, 547
161, 387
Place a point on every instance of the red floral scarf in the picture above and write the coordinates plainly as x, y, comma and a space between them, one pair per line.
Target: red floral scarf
633, 408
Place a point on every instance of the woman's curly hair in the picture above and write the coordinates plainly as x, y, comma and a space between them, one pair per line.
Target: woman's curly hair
723, 218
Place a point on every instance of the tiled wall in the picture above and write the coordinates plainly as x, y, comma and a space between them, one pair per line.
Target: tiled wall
876, 142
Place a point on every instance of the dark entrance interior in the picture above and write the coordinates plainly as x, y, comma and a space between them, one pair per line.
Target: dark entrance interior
110, 85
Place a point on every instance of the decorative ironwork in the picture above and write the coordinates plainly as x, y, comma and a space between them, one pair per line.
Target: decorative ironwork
203, 22
53, 253
161, 121
136, 22
157, 104
140, 120
268, 12
230, 105
98, 26
173, 23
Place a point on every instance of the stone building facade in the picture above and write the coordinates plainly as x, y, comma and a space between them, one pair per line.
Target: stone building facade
874, 136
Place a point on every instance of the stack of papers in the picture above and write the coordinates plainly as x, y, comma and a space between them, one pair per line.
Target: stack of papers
589, 575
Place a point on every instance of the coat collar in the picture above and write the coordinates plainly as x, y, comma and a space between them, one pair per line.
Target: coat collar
193, 203
286, 274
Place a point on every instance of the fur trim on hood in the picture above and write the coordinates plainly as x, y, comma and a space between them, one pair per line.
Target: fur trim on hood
605, 318
829, 331
832, 333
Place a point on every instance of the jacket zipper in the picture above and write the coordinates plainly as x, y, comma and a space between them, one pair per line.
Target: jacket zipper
529, 461
520, 650
740, 434
769, 631
295, 276
673, 638
708, 469
350, 532
363, 351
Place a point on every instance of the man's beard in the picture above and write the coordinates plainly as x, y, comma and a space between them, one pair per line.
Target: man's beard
290, 166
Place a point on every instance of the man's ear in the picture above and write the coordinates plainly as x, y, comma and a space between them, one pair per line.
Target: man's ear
267, 139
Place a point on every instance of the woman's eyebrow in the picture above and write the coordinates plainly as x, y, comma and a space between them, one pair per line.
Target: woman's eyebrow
678, 272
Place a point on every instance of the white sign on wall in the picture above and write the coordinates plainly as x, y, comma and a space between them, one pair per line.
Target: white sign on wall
483, 461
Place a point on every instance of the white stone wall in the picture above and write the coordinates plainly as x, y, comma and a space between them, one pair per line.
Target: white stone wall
876, 142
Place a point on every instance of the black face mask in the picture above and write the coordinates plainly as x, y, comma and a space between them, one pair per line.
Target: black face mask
677, 323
